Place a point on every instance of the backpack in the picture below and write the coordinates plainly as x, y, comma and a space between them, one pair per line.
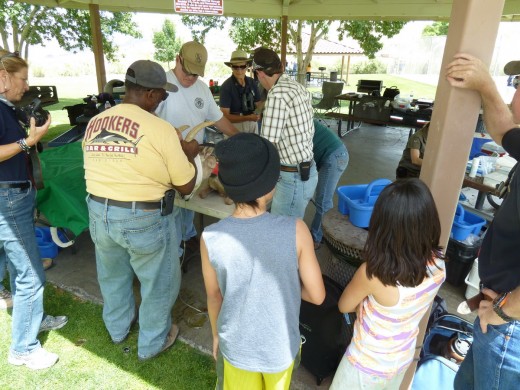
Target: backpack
437, 367
325, 333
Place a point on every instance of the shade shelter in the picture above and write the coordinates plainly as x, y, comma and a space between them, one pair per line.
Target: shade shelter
326, 47
473, 29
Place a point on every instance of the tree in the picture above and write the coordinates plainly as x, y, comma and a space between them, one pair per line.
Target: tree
437, 28
249, 33
23, 25
166, 43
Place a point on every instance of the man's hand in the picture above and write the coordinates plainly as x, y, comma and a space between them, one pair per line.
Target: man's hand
190, 149
36, 133
486, 313
467, 71
254, 117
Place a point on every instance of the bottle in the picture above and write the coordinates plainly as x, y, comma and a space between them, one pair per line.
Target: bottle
107, 105
474, 167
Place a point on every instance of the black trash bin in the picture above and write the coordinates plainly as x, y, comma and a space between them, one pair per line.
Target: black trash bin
460, 257
334, 76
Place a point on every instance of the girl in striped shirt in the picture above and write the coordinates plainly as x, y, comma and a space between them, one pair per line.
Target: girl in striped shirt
393, 289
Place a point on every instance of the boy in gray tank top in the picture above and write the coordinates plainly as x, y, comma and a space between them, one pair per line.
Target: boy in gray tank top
257, 267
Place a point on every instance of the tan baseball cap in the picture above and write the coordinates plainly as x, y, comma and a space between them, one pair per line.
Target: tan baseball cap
194, 57
512, 68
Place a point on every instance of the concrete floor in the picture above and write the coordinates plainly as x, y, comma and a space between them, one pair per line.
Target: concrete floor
374, 153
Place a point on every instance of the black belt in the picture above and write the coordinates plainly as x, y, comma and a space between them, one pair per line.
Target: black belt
287, 168
22, 186
127, 205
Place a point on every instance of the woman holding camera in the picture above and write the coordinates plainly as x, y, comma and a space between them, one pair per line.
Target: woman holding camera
17, 236
239, 96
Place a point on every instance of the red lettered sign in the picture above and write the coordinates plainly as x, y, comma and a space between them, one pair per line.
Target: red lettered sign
206, 7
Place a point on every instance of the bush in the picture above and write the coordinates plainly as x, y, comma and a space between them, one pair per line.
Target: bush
38, 71
369, 67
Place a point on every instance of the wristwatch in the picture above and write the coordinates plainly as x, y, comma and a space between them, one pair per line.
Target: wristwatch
498, 302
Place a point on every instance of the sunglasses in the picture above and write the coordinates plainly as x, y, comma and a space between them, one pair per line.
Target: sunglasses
256, 67
239, 66
188, 74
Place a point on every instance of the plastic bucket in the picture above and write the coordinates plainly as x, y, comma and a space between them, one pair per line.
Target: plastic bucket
466, 223
360, 208
48, 249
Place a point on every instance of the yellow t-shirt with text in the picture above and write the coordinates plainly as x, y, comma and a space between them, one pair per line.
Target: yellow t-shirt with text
132, 155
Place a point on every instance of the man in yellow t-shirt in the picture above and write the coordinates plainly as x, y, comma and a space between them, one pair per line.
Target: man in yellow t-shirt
133, 161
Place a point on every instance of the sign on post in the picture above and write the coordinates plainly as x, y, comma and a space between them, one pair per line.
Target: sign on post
205, 7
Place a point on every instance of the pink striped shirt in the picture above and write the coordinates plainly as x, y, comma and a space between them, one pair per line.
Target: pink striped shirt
384, 337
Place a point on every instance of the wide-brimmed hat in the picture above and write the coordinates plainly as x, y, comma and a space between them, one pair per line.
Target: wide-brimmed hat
512, 68
249, 166
239, 56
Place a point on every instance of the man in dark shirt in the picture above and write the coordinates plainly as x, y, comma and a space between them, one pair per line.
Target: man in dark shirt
493, 362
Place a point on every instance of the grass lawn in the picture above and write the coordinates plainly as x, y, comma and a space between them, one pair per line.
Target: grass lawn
60, 119
89, 360
406, 86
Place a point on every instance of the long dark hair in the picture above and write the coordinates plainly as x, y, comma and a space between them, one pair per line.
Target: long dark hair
403, 234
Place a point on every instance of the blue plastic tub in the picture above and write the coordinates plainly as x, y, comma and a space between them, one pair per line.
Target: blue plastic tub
48, 250
357, 201
476, 146
466, 223
43, 233
47, 247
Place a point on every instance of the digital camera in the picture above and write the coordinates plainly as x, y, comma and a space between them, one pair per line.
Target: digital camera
32, 110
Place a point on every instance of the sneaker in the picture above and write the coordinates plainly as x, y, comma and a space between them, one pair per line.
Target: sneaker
170, 339
36, 360
53, 323
6, 299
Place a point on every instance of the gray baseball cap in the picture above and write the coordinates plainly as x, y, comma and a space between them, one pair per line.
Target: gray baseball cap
149, 74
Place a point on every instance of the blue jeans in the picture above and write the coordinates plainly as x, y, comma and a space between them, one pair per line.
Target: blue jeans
328, 176
3, 265
493, 361
18, 240
142, 242
292, 195
184, 227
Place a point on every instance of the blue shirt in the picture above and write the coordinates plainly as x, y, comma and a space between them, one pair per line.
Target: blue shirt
231, 94
16, 167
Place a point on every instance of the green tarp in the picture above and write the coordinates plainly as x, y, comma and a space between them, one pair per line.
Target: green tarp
62, 201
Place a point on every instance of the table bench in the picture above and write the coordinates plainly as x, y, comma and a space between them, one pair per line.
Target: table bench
394, 119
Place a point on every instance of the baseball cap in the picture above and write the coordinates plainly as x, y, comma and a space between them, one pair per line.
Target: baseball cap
149, 74
194, 57
512, 68
267, 60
